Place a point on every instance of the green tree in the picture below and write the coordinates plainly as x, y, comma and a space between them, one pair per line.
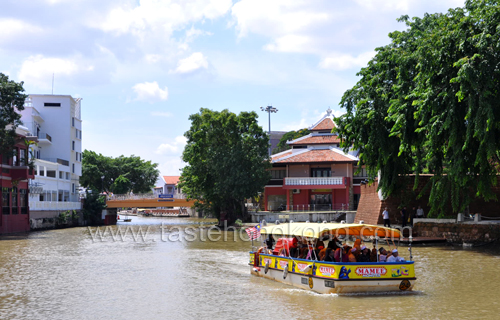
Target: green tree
118, 175
92, 207
428, 103
227, 162
292, 135
11, 101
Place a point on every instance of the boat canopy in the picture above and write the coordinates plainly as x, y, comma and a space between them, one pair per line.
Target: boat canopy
317, 230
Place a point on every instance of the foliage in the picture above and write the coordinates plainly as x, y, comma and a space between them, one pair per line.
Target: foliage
227, 161
11, 99
118, 175
92, 207
63, 218
428, 103
292, 135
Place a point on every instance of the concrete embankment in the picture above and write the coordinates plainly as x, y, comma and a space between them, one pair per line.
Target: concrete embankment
467, 233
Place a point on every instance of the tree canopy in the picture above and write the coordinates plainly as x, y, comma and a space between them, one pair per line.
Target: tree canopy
227, 161
118, 175
429, 103
291, 135
11, 99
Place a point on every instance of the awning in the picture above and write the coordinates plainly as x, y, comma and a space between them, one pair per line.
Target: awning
316, 230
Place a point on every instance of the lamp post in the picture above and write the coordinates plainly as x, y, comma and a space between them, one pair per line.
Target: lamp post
269, 110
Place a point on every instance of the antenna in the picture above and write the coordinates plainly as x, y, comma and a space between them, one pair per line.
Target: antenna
52, 83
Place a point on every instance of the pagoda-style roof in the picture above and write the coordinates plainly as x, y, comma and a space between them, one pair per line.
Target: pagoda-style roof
323, 125
315, 139
314, 156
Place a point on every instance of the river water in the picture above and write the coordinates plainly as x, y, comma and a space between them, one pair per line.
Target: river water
77, 274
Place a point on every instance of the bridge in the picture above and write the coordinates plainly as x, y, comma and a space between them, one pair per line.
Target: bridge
147, 200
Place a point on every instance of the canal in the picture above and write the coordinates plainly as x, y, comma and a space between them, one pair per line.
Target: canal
172, 270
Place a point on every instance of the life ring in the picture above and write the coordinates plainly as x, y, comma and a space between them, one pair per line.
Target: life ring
263, 250
266, 268
285, 271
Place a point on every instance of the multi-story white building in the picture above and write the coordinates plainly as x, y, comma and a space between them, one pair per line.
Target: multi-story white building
56, 121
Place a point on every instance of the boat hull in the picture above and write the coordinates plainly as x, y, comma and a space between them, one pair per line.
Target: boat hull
324, 277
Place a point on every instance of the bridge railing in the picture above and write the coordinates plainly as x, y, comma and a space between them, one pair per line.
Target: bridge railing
141, 196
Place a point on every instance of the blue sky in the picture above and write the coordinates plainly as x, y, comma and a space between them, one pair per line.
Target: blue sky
143, 66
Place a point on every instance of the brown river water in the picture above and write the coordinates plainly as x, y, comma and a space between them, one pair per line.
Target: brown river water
181, 274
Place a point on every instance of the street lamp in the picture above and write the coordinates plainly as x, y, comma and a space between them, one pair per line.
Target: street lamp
269, 110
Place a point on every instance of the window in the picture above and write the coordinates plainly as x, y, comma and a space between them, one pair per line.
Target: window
61, 175
321, 172
73, 168
73, 188
67, 175
76, 156
362, 172
73, 121
14, 200
51, 104
73, 145
42, 171
14, 158
5, 201
23, 155
23, 201
51, 173
278, 174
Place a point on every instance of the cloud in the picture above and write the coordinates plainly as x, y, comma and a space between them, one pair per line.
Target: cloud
161, 16
150, 91
161, 114
172, 148
191, 64
13, 28
39, 70
340, 61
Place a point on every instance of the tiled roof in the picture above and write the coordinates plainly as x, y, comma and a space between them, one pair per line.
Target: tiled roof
330, 139
171, 179
281, 155
326, 124
327, 155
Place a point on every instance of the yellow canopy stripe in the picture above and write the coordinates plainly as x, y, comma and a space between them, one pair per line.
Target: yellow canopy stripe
316, 230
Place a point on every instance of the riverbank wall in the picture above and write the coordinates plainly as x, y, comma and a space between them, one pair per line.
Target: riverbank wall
311, 216
467, 233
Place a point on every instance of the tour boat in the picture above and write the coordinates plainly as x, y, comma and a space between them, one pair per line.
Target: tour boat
333, 277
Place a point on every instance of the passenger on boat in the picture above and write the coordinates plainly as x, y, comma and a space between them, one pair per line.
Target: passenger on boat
383, 255
294, 251
352, 257
395, 257
357, 245
270, 242
322, 253
373, 255
329, 257
365, 255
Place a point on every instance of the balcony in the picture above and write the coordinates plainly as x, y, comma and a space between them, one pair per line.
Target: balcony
21, 173
54, 205
316, 183
44, 138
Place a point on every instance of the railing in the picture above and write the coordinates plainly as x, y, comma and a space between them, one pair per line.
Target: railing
54, 205
310, 181
57, 160
142, 196
311, 207
43, 135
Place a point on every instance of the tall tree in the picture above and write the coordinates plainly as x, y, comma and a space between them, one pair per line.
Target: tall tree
118, 175
11, 101
291, 135
227, 161
428, 103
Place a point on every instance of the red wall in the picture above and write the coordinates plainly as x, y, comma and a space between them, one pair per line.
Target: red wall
275, 191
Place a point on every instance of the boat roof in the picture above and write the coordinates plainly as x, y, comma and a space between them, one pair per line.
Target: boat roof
316, 230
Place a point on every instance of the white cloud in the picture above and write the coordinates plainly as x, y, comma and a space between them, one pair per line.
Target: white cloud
340, 61
161, 16
39, 70
13, 28
172, 166
161, 114
172, 148
191, 64
150, 91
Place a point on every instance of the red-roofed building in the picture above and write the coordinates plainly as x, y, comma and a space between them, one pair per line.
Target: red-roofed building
169, 185
315, 174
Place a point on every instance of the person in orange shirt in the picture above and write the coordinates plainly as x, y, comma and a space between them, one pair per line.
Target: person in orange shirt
352, 257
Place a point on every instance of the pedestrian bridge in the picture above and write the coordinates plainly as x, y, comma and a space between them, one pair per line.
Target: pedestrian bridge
147, 201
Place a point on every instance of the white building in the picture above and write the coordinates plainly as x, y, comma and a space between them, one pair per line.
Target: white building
56, 121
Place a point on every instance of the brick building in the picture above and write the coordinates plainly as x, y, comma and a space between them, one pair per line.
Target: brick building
315, 174
14, 177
